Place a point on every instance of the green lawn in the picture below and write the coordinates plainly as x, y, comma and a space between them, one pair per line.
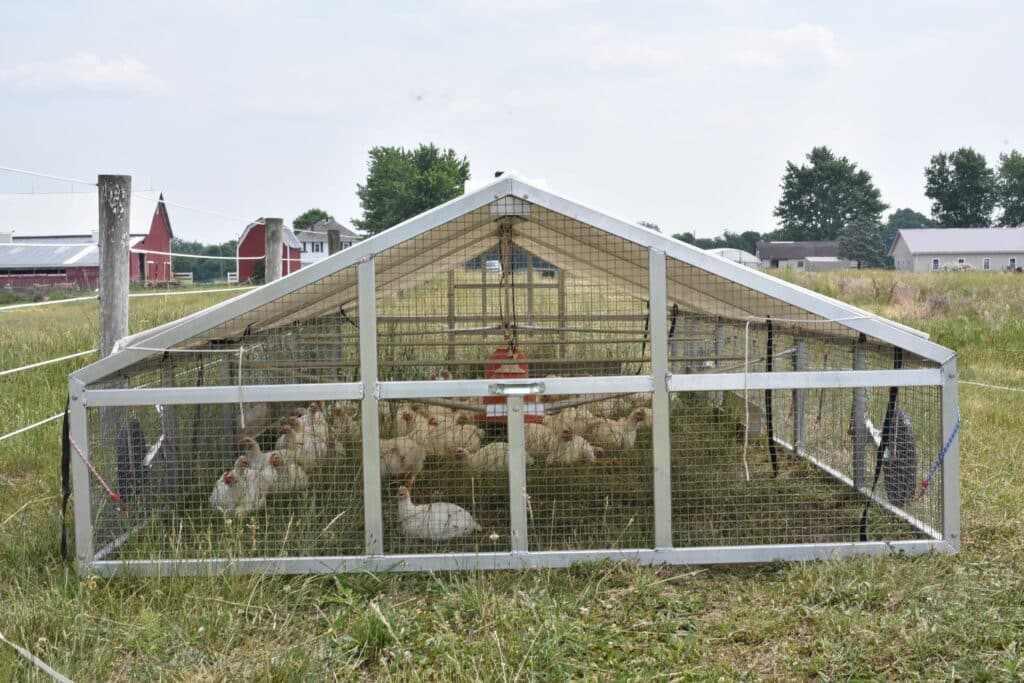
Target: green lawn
930, 617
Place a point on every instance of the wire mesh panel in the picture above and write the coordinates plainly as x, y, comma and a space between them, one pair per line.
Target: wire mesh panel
590, 484
518, 296
444, 479
727, 491
193, 483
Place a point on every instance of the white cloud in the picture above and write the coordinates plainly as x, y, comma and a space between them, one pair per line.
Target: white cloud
782, 46
83, 70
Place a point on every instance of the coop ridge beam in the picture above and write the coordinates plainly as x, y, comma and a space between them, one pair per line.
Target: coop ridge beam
821, 379
555, 559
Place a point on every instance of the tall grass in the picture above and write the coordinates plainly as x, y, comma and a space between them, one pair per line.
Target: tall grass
929, 617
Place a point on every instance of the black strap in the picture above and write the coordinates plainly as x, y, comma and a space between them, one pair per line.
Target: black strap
65, 479
768, 364
887, 441
643, 346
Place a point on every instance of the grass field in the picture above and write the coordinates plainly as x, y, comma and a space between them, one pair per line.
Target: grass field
930, 617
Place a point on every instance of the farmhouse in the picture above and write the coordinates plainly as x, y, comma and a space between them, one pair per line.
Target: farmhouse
388, 409
314, 240
988, 249
252, 247
51, 239
811, 255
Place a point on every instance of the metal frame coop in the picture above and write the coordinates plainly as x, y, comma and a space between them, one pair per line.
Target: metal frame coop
582, 387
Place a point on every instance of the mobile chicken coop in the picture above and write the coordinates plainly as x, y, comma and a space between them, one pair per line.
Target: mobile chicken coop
404, 405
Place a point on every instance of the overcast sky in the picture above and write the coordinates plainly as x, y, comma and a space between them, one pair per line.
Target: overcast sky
681, 113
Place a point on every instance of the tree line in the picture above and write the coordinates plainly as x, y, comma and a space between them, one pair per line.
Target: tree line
826, 198
830, 198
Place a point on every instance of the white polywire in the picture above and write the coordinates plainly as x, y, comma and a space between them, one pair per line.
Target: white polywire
47, 175
46, 362
131, 296
200, 256
31, 426
193, 208
38, 663
992, 386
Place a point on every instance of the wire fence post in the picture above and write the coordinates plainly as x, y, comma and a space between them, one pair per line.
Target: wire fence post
860, 430
115, 200
333, 241
273, 241
115, 192
451, 316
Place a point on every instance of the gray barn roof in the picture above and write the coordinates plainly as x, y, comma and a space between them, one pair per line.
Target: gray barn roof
27, 256
331, 224
962, 240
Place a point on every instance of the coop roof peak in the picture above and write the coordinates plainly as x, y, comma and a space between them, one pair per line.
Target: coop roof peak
479, 211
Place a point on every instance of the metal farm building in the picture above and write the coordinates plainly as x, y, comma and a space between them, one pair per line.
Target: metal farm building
388, 408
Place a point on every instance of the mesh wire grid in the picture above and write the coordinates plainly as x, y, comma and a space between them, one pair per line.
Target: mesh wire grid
514, 291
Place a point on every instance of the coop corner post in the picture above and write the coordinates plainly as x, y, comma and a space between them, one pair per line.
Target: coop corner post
951, 465
374, 523
517, 474
82, 509
661, 438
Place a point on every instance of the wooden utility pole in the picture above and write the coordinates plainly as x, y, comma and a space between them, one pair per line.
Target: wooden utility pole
333, 241
115, 200
274, 244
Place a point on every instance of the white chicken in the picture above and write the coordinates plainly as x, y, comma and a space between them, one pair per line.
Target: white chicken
256, 457
433, 521
490, 458
402, 457
576, 418
440, 438
408, 421
540, 439
616, 435
239, 491
300, 446
573, 448
280, 475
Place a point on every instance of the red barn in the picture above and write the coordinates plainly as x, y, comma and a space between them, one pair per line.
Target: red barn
51, 239
252, 247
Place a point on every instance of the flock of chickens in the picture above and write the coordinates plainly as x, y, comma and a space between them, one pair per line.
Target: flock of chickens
575, 435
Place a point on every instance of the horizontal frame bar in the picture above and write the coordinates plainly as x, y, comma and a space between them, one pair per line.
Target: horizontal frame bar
517, 560
247, 393
817, 379
617, 384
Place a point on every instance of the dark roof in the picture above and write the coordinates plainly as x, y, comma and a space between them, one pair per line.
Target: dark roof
791, 250
331, 224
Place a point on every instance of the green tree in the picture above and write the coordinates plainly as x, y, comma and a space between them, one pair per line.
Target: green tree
650, 226
823, 196
962, 188
1010, 189
203, 269
861, 241
403, 183
308, 219
904, 219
